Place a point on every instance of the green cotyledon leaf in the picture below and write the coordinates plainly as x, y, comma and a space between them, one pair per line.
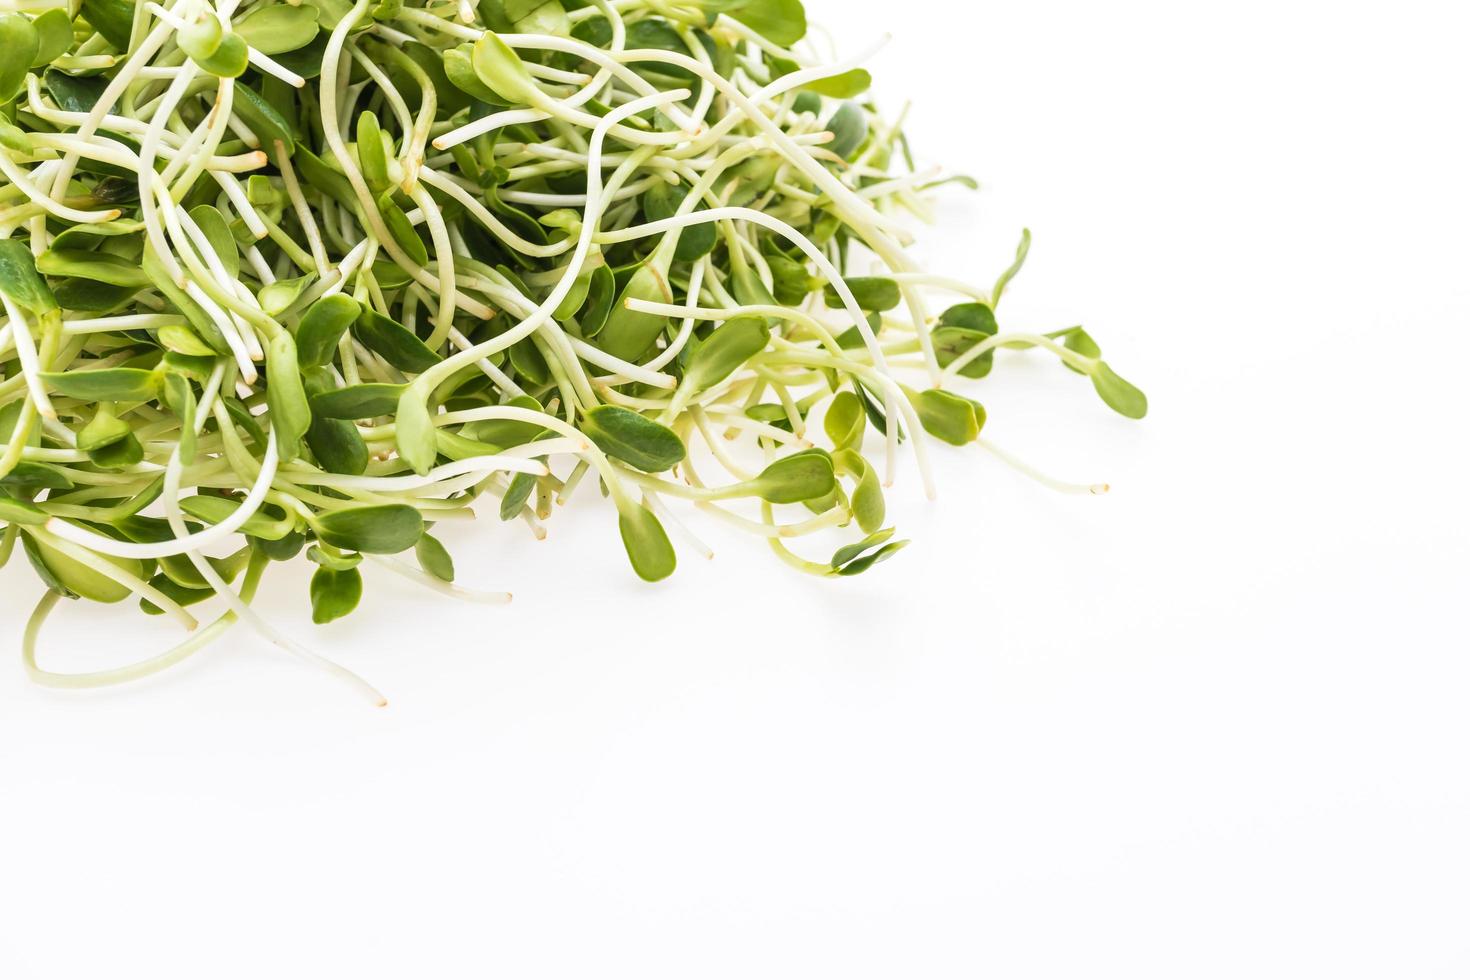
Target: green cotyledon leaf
647, 543
849, 129
782, 22
278, 28
1119, 395
372, 156
334, 593
364, 401
847, 85
290, 412
336, 443
434, 558
118, 384
507, 432
953, 418
961, 327
800, 476
97, 266
79, 579
845, 421
20, 281
662, 201
266, 122
414, 433
279, 296
874, 294
113, 19
392, 341
216, 231
20, 43
627, 333
322, 327
379, 529
516, 494
501, 70
635, 439
54, 35
867, 502
731, 344
214, 510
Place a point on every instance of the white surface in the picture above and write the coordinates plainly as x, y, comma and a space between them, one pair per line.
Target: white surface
1212, 725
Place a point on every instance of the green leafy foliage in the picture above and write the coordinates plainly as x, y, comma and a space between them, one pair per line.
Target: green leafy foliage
500, 247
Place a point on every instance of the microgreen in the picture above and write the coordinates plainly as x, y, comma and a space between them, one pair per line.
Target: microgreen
285, 278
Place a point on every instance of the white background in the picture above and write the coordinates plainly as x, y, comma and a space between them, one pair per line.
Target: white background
1211, 725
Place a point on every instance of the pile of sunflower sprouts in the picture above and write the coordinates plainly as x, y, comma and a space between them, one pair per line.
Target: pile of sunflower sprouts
317, 277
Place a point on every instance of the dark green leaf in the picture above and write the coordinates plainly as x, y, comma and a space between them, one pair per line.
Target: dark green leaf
36, 476
601, 291
633, 438
322, 327
337, 446
19, 279
731, 344
381, 529
874, 294
849, 128
516, 495
334, 594
961, 327
628, 333
112, 18
364, 401
394, 342
662, 201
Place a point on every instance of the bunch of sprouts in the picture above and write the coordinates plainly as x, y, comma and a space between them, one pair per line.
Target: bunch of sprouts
317, 277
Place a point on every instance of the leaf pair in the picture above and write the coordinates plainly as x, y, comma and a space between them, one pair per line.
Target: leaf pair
854, 559
952, 418
1117, 393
